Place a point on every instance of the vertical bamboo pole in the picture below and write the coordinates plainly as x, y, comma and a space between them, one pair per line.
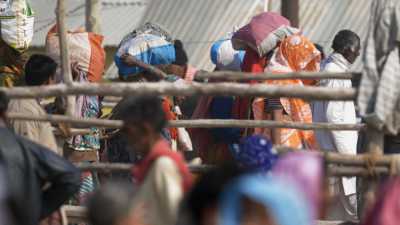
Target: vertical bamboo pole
93, 18
374, 146
291, 9
64, 54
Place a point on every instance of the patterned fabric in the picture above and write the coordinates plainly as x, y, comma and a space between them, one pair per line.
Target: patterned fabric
87, 187
11, 66
86, 107
378, 97
255, 153
295, 54
305, 171
285, 204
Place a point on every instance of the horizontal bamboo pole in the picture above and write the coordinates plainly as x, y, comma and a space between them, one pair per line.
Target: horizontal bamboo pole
126, 167
164, 88
206, 123
240, 76
337, 171
78, 214
331, 157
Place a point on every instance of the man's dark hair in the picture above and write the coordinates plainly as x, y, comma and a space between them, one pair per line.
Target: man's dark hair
39, 69
110, 203
3, 102
345, 39
142, 109
181, 55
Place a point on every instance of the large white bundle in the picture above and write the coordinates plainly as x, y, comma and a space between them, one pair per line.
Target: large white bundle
16, 23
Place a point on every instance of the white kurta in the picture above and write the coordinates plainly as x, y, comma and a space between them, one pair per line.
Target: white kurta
338, 112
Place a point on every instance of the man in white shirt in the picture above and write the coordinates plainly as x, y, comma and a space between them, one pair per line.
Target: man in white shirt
346, 46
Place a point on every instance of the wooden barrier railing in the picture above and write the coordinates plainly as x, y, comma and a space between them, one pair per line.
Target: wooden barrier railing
201, 123
241, 76
163, 88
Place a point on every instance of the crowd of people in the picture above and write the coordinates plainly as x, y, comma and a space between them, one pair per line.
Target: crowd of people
249, 181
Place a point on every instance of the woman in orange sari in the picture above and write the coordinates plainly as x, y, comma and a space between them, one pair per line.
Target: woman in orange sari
295, 54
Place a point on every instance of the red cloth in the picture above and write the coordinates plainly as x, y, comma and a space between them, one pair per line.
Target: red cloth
252, 63
386, 211
167, 107
162, 149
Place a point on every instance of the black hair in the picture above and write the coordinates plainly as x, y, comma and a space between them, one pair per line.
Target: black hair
181, 55
110, 203
4, 100
39, 69
207, 191
321, 50
135, 110
345, 39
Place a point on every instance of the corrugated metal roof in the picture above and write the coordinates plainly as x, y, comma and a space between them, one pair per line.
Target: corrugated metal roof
196, 23
200, 22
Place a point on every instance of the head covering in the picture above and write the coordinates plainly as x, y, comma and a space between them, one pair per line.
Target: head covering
306, 171
284, 202
225, 57
255, 153
296, 53
386, 210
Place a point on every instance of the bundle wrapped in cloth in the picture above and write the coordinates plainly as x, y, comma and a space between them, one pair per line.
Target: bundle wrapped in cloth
150, 44
263, 33
84, 47
224, 56
16, 23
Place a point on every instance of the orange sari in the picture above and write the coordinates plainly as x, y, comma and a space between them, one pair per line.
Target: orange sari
295, 54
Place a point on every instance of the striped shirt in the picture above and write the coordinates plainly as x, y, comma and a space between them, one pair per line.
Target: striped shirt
379, 93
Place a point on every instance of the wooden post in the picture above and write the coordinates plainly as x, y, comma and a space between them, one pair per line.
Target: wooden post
64, 54
93, 16
290, 9
367, 187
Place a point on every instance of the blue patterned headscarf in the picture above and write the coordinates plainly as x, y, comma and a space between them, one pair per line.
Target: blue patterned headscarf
284, 203
255, 153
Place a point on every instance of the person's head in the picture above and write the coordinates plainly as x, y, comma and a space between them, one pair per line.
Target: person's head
306, 171
3, 105
300, 54
348, 44
181, 55
40, 70
256, 200
144, 119
202, 201
113, 204
255, 153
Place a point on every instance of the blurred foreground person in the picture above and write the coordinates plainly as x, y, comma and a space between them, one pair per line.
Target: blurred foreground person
200, 206
386, 209
162, 175
39, 181
346, 46
255, 200
113, 204
305, 171
39, 71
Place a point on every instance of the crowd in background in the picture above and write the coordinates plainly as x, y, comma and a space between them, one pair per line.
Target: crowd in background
250, 182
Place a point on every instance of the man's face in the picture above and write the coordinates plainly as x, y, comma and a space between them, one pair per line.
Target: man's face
353, 53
